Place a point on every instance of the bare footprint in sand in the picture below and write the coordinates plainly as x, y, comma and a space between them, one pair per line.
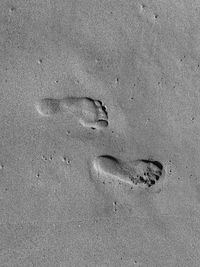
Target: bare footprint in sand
90, 113
142, 173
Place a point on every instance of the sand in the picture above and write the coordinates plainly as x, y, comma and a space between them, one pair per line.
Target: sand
100, 131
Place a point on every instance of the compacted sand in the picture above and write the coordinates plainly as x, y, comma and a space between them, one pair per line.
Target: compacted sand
99, 133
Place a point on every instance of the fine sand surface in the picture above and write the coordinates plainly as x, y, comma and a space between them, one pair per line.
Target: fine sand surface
100, 133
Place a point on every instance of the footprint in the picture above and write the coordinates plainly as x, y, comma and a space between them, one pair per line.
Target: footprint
142, 173
90, 113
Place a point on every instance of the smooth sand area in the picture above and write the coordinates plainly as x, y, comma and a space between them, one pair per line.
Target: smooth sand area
99, 133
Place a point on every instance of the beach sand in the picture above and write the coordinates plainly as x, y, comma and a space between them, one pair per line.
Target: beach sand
99, 133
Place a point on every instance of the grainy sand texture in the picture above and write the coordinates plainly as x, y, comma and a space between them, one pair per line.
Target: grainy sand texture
99, 133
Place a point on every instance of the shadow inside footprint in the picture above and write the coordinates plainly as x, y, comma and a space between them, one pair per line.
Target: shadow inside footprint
156, 163
110, 158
